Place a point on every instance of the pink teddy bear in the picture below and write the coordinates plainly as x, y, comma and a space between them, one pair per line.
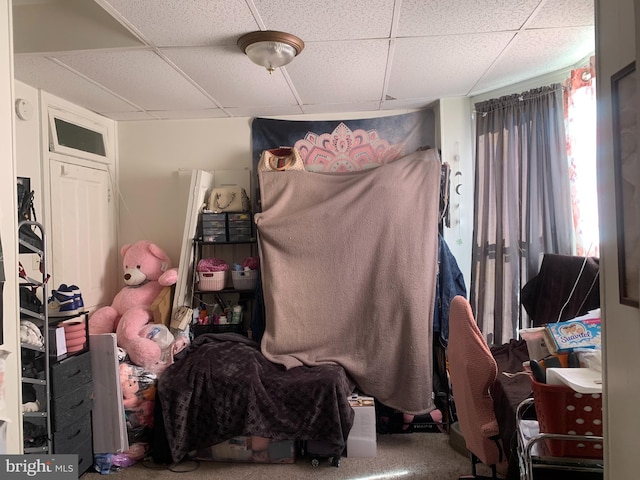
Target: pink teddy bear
147, 270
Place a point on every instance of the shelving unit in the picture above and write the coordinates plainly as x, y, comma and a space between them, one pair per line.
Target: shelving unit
221, 246
63, 382
37, 355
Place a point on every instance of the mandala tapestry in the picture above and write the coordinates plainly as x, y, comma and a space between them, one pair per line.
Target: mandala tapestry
346, 145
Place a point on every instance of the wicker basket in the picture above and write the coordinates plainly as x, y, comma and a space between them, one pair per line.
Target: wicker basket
560, 409
212, 281
244, 279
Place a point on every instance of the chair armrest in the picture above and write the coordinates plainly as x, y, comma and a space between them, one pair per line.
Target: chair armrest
490, 429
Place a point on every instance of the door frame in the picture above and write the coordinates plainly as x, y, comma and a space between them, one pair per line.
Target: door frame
52, 105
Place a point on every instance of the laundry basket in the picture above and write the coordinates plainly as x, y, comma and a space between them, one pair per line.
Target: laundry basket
244, 279
560, 409
212, 281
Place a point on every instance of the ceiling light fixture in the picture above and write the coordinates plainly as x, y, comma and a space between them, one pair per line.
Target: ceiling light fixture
270, 49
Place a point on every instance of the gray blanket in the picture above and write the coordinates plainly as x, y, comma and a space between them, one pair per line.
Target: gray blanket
224, 387
348, 269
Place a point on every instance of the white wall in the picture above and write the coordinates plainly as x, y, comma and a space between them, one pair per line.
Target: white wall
28, 151
615, 48
155, 160
10, 410
28, 148
457, 150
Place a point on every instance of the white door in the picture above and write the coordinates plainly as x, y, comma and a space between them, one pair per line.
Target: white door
82, 231
201, 182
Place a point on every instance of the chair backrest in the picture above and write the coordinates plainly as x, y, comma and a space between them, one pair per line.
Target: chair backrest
473, 370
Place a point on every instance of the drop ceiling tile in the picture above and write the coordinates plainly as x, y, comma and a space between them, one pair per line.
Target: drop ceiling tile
341, 107
264, 111
231, 78
186, 114
564, 13
537, 52
412, 103
328, 19
45, 74
126, 116
446, 17
435, 67
340, 72
37, 27
141, 77
335, 71
188, 22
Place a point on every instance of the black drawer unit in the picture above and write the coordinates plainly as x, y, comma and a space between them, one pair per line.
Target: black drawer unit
68, 408
239, 227
71, 407
69, 438
226, 227
70, 373
213, 227
85, 456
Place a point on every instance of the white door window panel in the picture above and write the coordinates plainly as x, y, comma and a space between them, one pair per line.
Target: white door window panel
76, 136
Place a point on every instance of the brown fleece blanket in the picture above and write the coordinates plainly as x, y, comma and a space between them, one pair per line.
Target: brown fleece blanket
348, 269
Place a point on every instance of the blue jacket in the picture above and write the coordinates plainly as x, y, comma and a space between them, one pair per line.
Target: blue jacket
449, 283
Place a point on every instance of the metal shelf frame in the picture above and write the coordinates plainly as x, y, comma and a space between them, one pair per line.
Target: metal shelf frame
43, 318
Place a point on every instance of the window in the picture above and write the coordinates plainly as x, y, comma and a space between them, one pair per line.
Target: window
76, 136
580, 126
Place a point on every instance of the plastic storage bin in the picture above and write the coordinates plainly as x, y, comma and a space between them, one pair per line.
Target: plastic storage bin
560, 409
244, 279
212, 281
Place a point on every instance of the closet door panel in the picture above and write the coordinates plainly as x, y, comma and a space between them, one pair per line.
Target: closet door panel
83, 230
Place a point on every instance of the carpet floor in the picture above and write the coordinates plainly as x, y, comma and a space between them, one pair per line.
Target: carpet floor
414, 456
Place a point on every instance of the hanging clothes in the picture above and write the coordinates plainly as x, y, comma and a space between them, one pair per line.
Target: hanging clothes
449, 283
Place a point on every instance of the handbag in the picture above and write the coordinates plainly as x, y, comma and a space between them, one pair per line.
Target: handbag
228, 199
26, 212
280, 159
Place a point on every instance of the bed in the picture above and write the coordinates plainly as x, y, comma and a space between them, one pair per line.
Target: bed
223, 387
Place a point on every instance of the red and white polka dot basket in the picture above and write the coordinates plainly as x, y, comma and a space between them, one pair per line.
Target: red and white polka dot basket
560, 409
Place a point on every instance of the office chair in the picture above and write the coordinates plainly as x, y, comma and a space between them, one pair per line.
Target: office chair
473, 369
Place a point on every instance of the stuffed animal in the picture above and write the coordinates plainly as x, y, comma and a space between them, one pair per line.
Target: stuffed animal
147, 269
30, 402
130, 387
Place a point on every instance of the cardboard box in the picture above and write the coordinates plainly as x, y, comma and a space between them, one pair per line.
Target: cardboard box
57, 341
161, 306
361, 442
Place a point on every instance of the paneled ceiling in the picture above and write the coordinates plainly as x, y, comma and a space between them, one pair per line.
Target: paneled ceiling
158, 59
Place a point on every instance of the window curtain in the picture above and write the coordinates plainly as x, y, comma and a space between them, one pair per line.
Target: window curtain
522, 202
580, 124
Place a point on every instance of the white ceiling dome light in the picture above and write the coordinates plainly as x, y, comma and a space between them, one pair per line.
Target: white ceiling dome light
270, 49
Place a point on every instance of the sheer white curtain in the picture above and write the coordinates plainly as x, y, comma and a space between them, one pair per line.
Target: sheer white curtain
580, 124
522, 202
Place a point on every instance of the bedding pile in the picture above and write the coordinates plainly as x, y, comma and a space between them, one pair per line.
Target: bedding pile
349, 263
224, 387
